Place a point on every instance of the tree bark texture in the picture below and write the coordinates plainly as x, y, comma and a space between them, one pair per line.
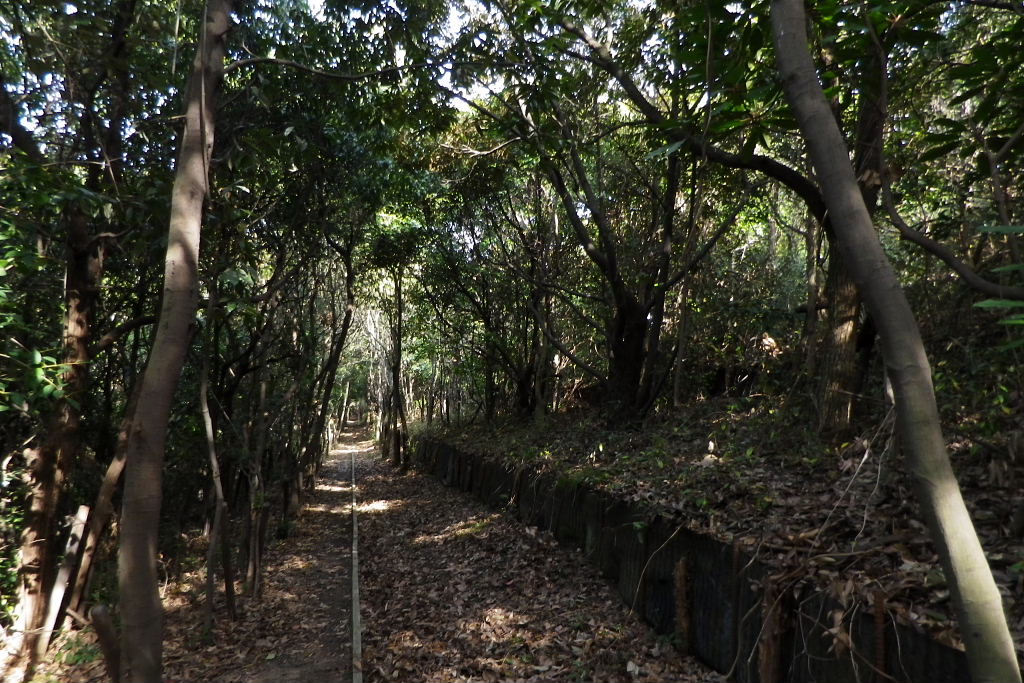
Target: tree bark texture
990, 650
842, 374
141, 611
844, 367
50, 464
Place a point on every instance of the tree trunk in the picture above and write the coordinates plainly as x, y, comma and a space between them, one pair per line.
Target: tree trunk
842, 375
844, 367
220, 515
258, 504
812, 243
141, 612
310, 456
50, 464
102, 509
682, 337
343, 420
398, 427
990, 650
626, 338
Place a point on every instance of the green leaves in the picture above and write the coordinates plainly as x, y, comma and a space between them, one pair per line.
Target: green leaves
1014, 319
1003, 229
31, 381
664, 151
999, 303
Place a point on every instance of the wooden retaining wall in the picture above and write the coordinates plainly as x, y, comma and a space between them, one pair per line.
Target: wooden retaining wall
717, 601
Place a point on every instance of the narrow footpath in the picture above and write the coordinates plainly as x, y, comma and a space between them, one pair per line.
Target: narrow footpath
299, 630
449, 591
454, 591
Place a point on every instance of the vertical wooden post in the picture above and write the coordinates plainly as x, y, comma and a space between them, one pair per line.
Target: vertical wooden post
64, 576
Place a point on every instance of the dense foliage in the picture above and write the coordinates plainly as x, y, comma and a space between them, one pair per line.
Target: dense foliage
499, 210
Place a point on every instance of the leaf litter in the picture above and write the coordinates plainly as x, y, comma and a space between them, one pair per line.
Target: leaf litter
451, 591
841, 520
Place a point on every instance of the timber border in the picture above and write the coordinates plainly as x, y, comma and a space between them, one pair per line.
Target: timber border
713, 599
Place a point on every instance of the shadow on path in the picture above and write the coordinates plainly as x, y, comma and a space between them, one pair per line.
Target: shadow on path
301, 629
454, 591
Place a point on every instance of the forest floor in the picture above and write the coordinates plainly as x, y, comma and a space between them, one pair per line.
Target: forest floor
841, 519
299, 630
451, 591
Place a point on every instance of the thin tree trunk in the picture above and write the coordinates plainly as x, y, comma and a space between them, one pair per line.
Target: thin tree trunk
141, 611
51, 463
344, 405
59, 592
102, 509
682, 336
810, 336
220, 514
990, 650
257, 498
312, 449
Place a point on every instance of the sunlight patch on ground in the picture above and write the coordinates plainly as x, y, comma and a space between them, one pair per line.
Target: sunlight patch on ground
334, 488
499, 616
469, 527
297, 563
376, 506
331, 509
354, 447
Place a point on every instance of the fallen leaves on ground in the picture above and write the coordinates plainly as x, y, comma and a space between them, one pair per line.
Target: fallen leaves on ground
298, 630
453, 591
750, 470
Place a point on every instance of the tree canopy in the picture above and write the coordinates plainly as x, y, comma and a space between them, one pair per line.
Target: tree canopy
480, 212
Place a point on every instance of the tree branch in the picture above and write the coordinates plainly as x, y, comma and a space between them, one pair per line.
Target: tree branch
1017, 7
291, 64
971, 278
706, 249
794, 180
577, 361
111, 337
482, 153
10, 124
254, 61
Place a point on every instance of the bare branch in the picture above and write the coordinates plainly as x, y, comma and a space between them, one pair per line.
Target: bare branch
110, 338
481, 153
972, 279
576, 360
706, 249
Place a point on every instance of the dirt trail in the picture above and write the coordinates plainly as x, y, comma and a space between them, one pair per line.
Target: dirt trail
301, 628
454, 591
298, 632
450, 590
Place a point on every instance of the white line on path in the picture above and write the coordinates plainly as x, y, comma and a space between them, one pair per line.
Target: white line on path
357, 638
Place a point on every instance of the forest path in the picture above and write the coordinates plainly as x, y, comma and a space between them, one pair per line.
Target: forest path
453, 591
300, 630
450, 591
